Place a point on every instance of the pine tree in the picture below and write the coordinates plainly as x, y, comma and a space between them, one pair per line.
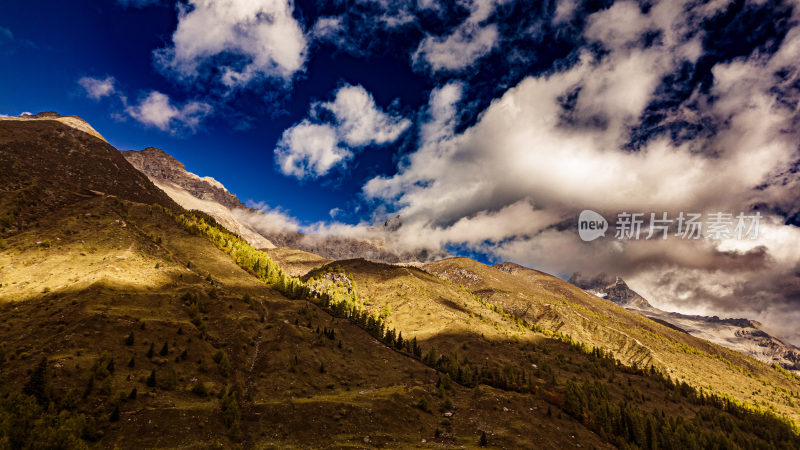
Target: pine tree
224, 364
129, 339
114, 414
164, 350
483, 442
134, 393
37, 385
132, 362
151, 351
151, 380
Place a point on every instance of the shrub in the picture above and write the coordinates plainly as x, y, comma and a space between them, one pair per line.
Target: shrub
170, 381
199, 388
221, 358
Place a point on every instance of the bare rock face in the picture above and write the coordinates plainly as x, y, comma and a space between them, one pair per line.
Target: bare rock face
194, 192
158, 165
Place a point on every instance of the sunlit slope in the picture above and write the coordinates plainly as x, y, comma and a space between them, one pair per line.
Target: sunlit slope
558, 306
296, 262
476, 343
76, 287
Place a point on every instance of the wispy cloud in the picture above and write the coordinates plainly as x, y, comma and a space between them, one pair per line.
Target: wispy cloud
10, 43
157, 110
471, 40
511, 185
97, 88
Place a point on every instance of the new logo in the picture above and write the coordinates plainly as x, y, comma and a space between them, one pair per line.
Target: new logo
591, 225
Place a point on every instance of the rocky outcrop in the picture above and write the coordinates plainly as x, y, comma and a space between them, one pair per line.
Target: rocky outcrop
194, 192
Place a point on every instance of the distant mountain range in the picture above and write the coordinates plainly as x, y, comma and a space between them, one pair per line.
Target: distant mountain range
742, 335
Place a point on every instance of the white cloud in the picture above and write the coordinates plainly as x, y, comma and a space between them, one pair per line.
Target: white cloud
310, 149
328, 28
97, 88
360, 122
157, 110
565, 10
266, 220
533, 160
262, 33
470, 41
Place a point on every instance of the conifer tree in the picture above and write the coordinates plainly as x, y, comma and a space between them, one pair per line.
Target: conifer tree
38, 383
114, 414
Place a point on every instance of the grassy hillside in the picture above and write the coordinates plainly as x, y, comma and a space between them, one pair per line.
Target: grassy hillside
119, 279
296, 262
47, 165
505, 350
561, 307
144, 326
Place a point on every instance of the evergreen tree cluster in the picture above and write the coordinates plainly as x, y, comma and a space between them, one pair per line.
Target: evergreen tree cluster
256, 262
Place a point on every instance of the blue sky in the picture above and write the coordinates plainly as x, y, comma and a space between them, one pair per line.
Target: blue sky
56, 44
487, 125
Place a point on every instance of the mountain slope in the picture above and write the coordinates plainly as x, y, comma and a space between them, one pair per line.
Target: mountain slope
742, 335
559, 306
475, 341
141, 333
46, 166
